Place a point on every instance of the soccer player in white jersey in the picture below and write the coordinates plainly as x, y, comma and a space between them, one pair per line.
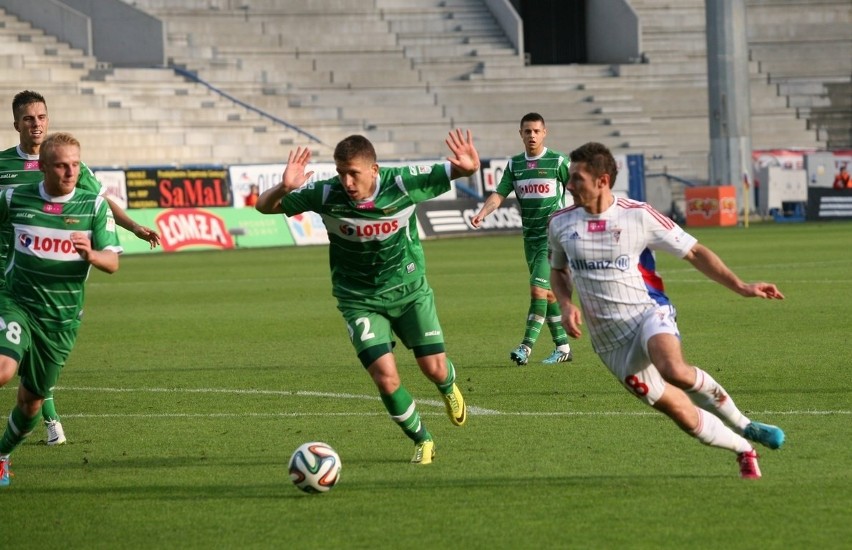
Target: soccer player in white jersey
537, 177
60, 232
596, 246
378, 270
19, 166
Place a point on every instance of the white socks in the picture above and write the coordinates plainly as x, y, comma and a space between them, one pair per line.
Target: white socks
711, 431
711, 396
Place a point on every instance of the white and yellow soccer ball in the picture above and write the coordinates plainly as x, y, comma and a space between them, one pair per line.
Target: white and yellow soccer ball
315, 467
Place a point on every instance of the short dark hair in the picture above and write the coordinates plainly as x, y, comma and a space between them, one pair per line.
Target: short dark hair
532, 117
598, 160
22, 99
352, 147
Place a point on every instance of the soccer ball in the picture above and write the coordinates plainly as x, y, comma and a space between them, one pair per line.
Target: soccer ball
315, 467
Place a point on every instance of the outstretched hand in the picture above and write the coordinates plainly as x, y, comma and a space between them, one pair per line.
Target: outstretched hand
763, 290
466, 158
147, 234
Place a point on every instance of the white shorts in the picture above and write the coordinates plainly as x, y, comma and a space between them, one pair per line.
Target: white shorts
630, 363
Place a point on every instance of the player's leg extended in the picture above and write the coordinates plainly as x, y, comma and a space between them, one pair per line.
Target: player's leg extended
415, 321
705, 392
631, 366
708, 429
370, 333
398, 402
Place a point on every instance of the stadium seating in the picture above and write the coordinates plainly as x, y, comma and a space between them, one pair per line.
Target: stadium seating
404, 72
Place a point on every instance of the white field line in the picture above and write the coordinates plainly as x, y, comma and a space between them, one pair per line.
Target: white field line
478, 411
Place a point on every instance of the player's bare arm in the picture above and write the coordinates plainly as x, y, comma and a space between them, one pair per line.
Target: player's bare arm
711, 265
563, 289
125, 221
465, 159
105, 260
294, 176
492, 203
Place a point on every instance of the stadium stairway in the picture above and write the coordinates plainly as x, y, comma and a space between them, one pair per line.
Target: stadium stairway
126, 117
404, 72
804, 50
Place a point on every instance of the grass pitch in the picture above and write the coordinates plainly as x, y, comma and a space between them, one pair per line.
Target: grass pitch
197, 374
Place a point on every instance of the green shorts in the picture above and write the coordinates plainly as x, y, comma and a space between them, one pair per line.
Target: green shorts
40, 354
538, 263
407, 311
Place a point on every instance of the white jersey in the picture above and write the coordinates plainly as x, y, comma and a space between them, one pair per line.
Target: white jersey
602, 252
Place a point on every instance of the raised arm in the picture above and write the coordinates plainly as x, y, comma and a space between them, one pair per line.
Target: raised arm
711, 265
294, 176
465, 159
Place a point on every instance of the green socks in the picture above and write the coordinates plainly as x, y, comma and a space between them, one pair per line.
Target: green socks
554, 323
402, 409
17, 429
535, 319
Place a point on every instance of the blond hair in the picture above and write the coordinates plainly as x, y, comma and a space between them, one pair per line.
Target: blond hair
53, 141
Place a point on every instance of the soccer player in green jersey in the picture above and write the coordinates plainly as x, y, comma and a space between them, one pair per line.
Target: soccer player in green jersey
378, 270
18, 166
538, 177
60, 231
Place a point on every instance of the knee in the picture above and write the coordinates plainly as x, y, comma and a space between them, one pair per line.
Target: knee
28, 403
386, 382
434, 367
8, 368
679, 408
677, 373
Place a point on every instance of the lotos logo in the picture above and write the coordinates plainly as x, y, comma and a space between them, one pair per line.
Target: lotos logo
535, 188
366, 230
540, 188
50, 244
707, 207
184, 227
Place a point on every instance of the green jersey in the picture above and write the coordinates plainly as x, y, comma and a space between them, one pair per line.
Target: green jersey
539, 185
374, 245
18, 168
45, 275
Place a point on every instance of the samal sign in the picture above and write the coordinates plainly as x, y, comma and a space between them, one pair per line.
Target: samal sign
178, 188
